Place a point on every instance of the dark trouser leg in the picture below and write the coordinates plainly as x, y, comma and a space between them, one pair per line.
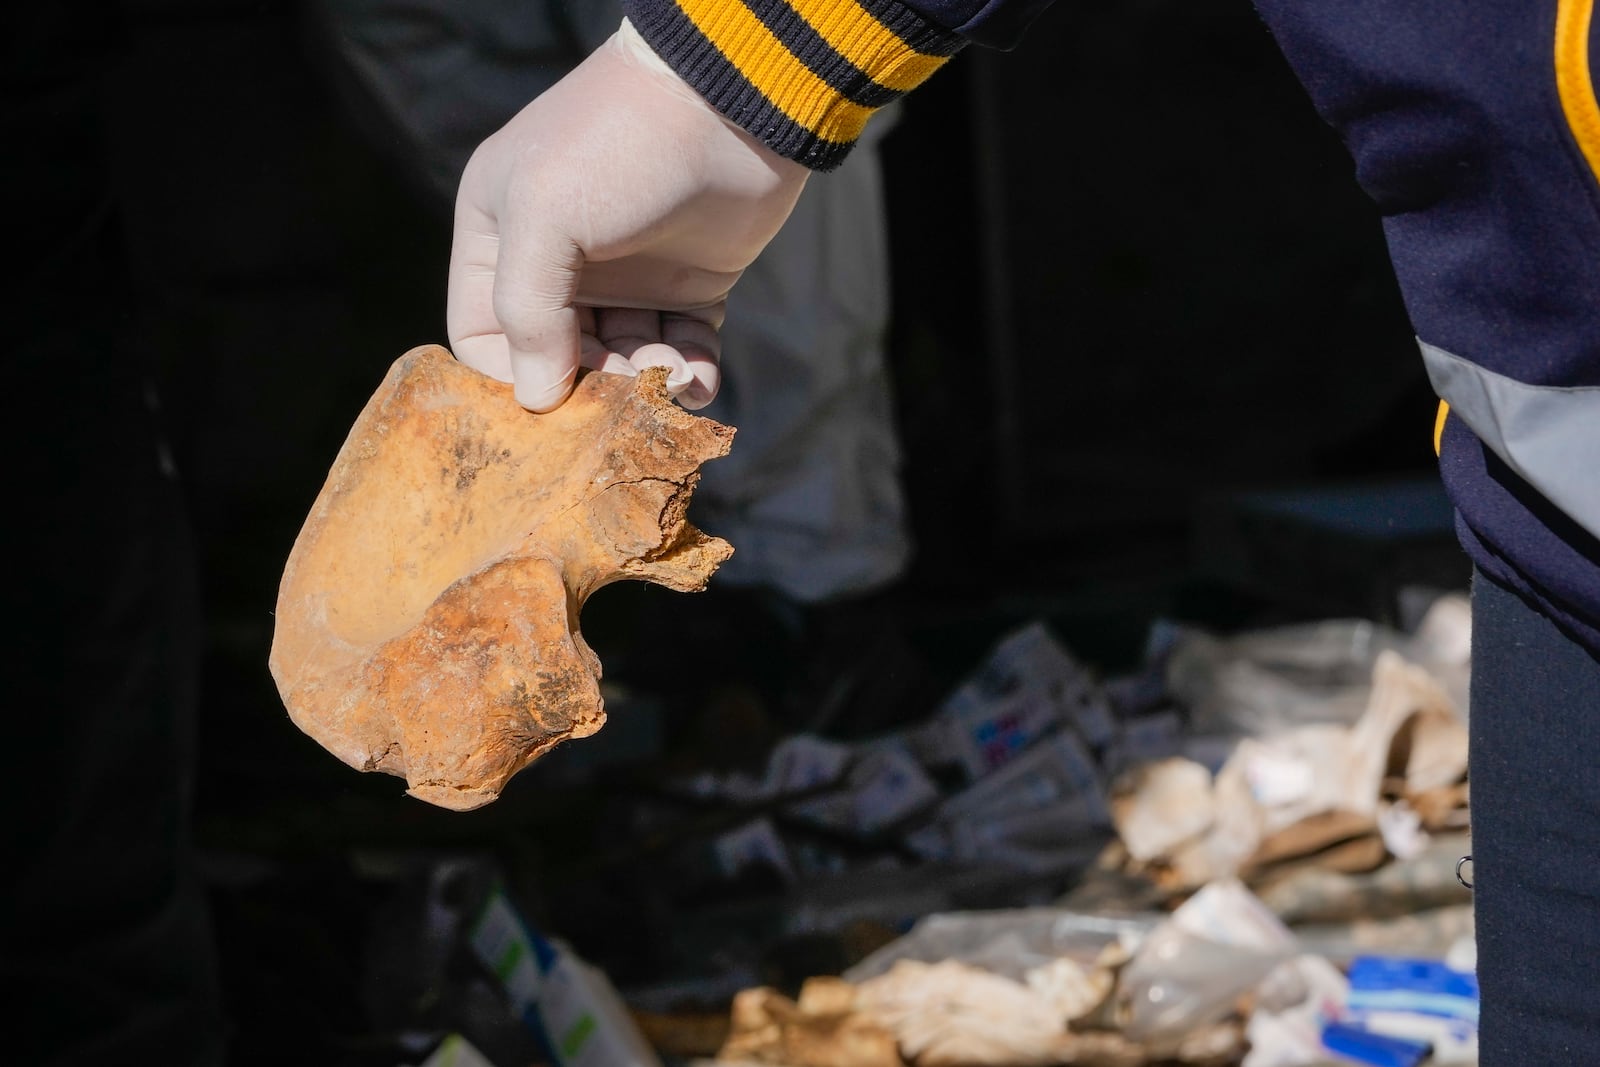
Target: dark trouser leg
1536, 835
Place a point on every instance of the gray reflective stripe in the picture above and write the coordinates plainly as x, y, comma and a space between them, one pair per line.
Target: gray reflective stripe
1547, 434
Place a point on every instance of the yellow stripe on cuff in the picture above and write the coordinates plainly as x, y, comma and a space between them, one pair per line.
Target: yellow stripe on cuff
1574, 82
780, 76
775, 72
872, 47
1438, 426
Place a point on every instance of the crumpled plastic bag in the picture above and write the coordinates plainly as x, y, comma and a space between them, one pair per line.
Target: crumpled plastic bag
1194, 968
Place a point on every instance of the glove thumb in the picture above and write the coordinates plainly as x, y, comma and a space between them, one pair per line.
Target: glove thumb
533, 298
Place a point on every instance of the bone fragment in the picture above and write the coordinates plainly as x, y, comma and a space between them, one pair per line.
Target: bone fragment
427, 621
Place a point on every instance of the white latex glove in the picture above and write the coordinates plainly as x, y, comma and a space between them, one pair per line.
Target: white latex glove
604, 225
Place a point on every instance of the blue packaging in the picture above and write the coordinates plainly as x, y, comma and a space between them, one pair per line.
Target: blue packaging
1379, 1050
1423, 986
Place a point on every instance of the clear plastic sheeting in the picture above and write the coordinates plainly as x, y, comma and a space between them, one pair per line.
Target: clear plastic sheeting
1009, 943
1263, 683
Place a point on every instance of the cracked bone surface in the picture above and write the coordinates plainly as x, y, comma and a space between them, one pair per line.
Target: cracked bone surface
427, 620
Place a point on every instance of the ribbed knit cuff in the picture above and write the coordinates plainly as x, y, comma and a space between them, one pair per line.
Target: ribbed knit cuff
801, 76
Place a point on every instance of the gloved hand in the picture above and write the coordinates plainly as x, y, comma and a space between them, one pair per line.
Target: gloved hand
604, 225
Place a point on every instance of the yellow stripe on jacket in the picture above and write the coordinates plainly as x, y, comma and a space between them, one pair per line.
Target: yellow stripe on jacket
873, 48
1574, 80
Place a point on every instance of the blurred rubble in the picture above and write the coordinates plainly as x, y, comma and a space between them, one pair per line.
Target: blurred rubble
1200, 861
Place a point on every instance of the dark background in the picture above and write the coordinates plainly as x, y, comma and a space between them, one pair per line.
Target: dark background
1144, 327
